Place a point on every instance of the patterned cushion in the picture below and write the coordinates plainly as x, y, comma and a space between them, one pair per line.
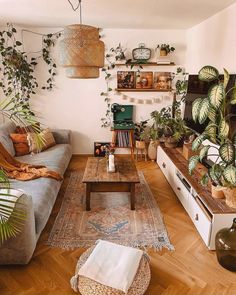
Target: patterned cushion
48, 141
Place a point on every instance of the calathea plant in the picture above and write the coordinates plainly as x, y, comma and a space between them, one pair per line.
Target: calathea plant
214, 109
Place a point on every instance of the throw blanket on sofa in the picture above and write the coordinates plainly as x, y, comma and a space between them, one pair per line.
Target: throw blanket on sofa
22, 171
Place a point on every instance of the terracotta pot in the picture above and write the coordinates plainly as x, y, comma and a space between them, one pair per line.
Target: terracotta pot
216, 192
230, 195
163, 52
152, 149
140, 144
170, 142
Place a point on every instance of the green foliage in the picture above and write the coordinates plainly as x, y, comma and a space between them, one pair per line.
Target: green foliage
139, 130
214, 107
208, 74
17, 69
167, 47
192, 164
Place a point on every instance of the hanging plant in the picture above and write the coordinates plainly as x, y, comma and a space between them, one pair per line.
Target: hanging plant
18, 80
49, 41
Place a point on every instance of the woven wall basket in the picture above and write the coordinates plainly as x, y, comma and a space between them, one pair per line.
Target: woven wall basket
81, 51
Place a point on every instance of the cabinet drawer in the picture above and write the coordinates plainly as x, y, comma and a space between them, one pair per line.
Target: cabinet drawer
166, 165
200, 219
181, 192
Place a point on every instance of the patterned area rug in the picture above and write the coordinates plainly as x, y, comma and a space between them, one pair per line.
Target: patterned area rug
110, 218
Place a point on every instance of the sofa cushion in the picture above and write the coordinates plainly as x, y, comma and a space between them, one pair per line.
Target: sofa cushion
44, 190
6, 129
20, 143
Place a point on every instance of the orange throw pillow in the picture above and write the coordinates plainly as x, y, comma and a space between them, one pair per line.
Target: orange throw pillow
48, 141
20, 143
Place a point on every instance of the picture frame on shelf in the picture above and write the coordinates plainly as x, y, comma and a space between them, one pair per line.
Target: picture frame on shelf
162, 81
144, 80
125, 79
100, 148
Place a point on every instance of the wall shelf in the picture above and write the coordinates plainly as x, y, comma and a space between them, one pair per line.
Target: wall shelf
140, 90
148, 64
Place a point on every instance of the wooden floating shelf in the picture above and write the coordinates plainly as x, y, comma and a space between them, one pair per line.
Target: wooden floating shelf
148, 64
141, 90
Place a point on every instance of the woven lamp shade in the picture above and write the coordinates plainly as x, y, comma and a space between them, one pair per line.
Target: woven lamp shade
81, 51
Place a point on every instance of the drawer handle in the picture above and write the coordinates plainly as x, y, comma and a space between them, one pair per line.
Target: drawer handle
164, 165
178, 188
196, 217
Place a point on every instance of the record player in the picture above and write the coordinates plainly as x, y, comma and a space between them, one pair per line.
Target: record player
122, 117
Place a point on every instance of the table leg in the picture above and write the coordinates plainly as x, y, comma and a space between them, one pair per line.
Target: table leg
88, 190
132, 196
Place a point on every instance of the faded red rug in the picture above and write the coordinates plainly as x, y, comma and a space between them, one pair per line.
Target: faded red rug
110, 218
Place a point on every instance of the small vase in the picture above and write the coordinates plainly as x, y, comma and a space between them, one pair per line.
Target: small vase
170, 142
163, 52
217, 193
226, 247
152, 149
230, 195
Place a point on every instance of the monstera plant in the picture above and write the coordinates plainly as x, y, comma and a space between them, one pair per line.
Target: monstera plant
213, 110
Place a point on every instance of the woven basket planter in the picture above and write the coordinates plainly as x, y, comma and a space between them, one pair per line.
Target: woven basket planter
81, 51
139, 286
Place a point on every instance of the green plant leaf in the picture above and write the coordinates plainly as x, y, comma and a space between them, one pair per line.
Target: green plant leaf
198, 141
233, 97
208, 74
192, 163
234, 139
216, 95
211, 132
195, 109
229, 174
227, 153
223, 128
226, 78
212, 114
215, 174
205, 179
203, 152
203, 110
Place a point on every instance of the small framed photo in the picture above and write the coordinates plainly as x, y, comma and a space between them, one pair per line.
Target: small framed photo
162, 80
144, 80
125, 79
100, 148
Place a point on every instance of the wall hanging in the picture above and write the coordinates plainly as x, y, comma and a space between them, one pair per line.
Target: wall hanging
81, 51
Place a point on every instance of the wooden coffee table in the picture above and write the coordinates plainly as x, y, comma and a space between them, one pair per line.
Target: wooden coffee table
97, 179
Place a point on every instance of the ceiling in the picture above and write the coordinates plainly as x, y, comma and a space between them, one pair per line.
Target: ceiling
136, 14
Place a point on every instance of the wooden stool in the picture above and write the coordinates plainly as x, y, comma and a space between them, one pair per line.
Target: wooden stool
141, 152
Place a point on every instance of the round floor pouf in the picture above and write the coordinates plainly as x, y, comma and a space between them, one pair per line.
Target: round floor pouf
140, 284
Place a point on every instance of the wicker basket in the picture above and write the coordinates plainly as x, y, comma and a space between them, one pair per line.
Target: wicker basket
139, 286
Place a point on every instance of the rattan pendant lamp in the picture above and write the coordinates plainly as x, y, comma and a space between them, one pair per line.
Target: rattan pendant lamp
81, 51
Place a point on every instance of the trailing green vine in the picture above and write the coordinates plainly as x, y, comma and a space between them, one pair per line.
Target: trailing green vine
18, 80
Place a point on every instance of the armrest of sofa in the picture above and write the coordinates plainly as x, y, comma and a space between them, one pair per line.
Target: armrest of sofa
19, 249
62, 135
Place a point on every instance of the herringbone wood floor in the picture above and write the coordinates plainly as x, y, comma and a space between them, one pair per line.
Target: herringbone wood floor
191, 269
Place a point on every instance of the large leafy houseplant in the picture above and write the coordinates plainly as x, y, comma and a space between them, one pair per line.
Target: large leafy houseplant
214, 110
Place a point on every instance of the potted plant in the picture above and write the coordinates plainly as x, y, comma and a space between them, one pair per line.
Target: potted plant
174, 131
222, 174
139, 134
165, 49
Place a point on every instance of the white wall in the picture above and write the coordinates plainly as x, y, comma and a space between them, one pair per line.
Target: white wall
213, 42
77, 105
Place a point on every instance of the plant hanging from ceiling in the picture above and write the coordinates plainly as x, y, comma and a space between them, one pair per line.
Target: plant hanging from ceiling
18, 80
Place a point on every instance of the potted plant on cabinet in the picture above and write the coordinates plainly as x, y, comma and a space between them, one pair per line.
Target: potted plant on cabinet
165, 49
139, 134
214, 108
174, 132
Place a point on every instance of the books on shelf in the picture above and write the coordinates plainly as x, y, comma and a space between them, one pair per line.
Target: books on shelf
121, 138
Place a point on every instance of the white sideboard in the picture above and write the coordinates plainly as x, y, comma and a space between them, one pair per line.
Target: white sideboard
207, 214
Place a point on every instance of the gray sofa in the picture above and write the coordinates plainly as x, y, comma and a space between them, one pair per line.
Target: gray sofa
38, 196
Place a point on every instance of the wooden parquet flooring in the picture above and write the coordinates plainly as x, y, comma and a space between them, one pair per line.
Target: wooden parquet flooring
189, 270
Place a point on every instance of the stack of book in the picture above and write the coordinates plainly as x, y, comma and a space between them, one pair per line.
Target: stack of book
164, 60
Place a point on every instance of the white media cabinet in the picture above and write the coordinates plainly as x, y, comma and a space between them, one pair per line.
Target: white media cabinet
207, 214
